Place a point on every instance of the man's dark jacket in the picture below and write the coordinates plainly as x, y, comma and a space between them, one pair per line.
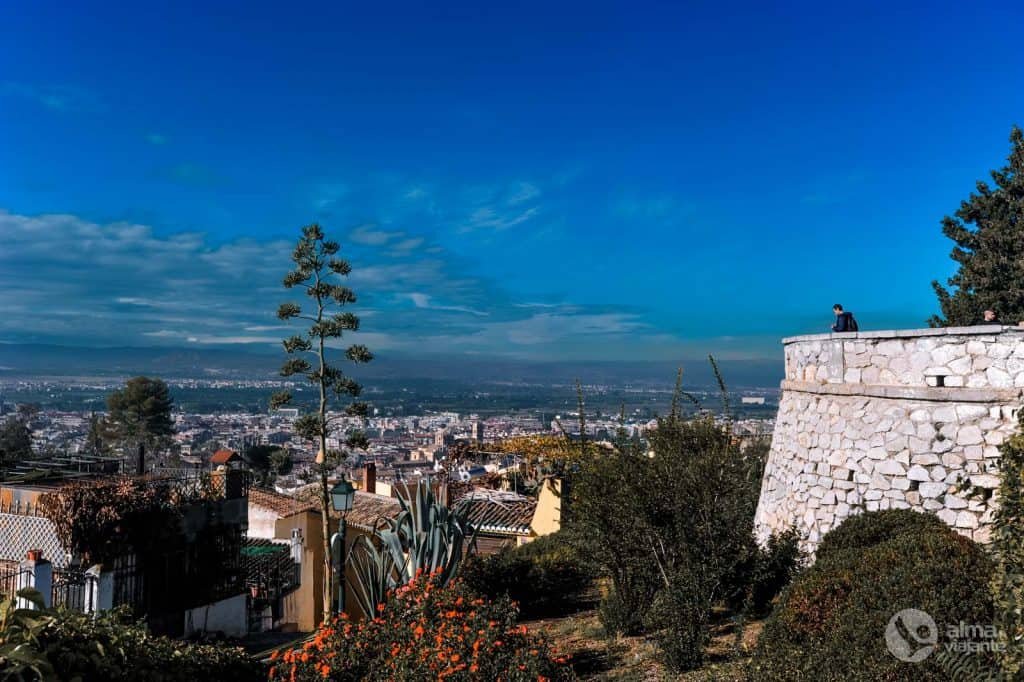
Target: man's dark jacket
843, 322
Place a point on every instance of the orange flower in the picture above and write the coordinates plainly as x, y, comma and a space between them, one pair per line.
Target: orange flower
455, 658
473, 668
274, 655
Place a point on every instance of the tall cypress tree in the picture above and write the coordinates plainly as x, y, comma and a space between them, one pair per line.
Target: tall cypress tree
989, 233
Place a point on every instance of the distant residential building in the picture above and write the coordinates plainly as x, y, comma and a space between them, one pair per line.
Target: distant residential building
478, 431
226, 458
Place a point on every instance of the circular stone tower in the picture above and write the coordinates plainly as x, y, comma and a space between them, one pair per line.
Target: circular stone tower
891, 419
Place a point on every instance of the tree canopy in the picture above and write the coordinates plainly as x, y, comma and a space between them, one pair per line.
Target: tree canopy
988, 231
15, 441
141, 412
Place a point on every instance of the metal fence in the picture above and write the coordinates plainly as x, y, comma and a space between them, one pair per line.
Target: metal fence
74, 589
10, 580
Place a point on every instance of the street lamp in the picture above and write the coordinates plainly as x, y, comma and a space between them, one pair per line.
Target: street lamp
342, 496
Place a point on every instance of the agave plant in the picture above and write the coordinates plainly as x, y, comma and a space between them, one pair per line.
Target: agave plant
426, 537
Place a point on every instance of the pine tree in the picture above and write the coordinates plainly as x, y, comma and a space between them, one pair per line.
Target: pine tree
315, 265
988, 230
140, 414
15, 441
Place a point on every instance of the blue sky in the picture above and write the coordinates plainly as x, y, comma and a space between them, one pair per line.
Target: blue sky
537, 180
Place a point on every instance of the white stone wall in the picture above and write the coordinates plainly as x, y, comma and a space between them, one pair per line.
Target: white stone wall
973, 357
880, 420
229, 616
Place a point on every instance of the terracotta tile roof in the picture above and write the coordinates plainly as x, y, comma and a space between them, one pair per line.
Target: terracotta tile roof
224, 456
281, 504
500, 513
368, 509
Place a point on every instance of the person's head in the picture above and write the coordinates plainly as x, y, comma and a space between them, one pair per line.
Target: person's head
990, 316
837, 309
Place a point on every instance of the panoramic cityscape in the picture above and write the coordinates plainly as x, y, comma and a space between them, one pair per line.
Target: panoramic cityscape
536, 342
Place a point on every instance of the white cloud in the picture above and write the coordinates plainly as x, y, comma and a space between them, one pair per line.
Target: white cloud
424, 301
71, 281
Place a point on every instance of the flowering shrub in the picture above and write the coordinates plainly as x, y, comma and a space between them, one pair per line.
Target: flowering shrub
425, 632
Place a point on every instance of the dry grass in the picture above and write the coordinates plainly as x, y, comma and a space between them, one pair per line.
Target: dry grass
625, 659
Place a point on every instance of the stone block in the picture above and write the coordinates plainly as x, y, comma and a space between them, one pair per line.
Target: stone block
932, 489
966, 519
953, 460
998, 378
969, 435
954, 502
985, 480
890, 467
918, 473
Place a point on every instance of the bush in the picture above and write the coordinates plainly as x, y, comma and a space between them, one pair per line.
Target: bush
867, 530
686, 498
678, 616
774, 567
830, 623
44, 644
424, 632
112, 647
544, 577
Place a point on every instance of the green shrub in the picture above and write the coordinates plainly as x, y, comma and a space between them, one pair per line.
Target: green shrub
20, 629
545, 577
678, 618
45, 644
830, 623
112, 647
774, 567
867, 530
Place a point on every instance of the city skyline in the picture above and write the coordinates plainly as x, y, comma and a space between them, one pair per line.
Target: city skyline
588, 183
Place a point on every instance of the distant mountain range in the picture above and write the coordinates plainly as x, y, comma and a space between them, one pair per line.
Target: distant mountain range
29, 360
